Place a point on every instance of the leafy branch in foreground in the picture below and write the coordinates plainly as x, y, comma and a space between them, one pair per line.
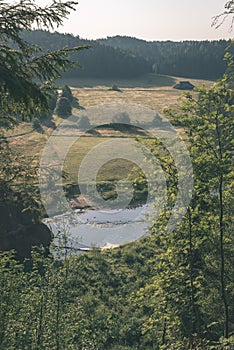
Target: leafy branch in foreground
22, 15
221, 18
26, 72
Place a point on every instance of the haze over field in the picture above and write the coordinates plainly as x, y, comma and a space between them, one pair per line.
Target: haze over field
149, 20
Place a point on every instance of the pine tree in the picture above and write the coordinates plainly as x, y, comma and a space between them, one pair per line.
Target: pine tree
66, 92
63, 107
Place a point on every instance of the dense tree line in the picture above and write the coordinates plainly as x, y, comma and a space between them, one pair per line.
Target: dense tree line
98, 61
126, 57
195, 59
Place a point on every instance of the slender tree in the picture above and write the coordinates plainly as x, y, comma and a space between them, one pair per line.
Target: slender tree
209, 121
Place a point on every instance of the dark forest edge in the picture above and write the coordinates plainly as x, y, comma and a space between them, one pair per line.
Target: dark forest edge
127, 57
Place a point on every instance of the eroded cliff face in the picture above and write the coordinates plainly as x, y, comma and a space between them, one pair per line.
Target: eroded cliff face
21, 230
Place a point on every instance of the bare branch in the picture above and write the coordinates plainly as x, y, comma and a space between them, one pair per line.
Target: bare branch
218, 20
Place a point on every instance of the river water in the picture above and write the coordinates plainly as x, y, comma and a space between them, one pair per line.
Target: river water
99, 228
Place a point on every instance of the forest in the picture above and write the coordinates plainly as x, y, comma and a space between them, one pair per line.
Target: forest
168, 290
119, 57
194, 59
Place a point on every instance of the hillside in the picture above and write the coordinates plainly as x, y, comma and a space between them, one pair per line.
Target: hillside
125, 57
98, 61
196, 59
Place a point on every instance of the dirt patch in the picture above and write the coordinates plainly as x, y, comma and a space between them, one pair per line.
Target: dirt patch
79, 203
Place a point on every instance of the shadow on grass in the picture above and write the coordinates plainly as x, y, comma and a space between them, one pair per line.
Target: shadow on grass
146, 81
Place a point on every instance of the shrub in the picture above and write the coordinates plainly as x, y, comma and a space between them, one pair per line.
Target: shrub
66, 92
115, 88
63, 107
37, 126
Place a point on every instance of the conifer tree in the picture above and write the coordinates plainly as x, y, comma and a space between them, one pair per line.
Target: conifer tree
26, 71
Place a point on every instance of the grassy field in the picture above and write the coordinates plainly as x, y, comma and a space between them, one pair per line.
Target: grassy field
153, 91
146, 81
112, 171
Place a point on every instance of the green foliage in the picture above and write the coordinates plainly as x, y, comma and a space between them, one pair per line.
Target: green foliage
191, 295
171, 291
127, 57
73, 303
19, 179
52, 99
27, 73
66, 92
194, 59
37, 126
99, 61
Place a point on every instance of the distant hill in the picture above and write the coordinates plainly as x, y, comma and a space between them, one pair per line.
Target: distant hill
195, 59
127, 57
99, 61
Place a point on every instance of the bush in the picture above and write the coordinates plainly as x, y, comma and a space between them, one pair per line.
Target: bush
115, 88
63, 107
66, 92
74, 101
37, 126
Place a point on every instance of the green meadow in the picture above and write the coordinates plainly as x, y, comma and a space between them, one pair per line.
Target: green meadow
153, 91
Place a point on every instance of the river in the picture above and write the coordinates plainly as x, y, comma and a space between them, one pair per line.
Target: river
99, 228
